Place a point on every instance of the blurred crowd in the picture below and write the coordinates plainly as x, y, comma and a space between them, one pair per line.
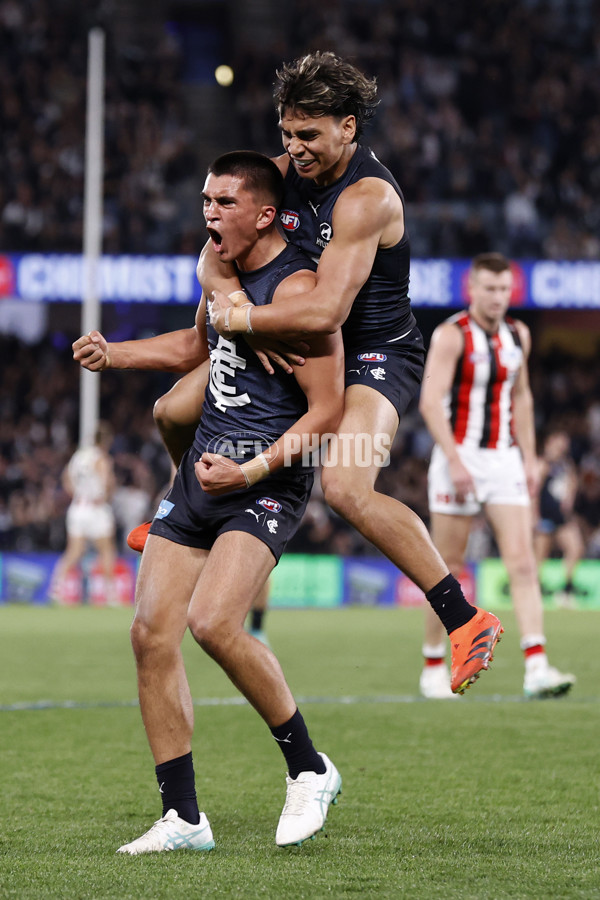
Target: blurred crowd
150, 191
39, 422
39, 432
489, 118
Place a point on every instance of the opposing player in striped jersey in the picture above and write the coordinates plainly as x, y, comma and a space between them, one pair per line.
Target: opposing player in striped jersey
477, 404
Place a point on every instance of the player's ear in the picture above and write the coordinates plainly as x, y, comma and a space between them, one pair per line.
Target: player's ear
348, 129
266, 216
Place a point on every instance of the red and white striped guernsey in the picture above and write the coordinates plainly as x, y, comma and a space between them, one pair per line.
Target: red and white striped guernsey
479, 404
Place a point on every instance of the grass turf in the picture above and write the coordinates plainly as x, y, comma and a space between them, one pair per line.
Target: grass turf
488, 796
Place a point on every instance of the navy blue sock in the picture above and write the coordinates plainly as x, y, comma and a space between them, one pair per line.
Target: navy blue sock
448, 601
257, 619
297, 747
177, 787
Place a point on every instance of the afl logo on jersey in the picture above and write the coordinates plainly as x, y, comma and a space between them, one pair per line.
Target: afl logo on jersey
272, 505
372, 357
289, 219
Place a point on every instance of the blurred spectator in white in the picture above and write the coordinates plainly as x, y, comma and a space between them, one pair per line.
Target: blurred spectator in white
89, 479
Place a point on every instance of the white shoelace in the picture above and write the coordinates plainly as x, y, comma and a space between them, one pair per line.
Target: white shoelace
299, 795
160, 829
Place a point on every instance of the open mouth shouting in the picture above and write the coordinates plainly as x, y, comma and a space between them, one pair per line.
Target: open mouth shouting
216, 238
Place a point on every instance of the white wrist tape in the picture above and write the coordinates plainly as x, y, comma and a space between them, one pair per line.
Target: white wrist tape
236, 320
255, 469
238, 297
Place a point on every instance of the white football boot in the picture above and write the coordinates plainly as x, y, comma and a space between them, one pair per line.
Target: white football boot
434, 683
307, 802
172, 833
543, 680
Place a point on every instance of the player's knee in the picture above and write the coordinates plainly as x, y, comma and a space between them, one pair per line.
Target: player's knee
522, 566
145, 641
161, 413
342, 497
201, 631
212, 633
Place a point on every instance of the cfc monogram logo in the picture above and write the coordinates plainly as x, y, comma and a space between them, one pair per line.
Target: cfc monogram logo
326, 232
224, 363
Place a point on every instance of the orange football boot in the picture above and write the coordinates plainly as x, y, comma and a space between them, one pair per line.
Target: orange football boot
136, 539
473, 648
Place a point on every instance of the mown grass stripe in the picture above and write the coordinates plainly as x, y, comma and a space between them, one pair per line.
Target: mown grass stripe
28, 706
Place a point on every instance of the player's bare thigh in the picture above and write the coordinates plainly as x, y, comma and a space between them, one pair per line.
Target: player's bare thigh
570, 541
542, 543
76, 547
235, 572
105, 545
450, 534
166, 581
364, 438
513, 530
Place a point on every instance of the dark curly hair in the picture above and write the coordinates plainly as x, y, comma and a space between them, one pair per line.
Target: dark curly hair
322, 84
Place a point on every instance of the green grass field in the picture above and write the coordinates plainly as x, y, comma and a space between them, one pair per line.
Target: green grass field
489, 796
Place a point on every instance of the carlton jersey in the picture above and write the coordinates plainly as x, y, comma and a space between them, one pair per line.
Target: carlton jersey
479, 404
553, 493
381, 309
246, 409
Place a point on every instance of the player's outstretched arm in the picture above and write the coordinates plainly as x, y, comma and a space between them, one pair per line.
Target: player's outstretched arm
175, 351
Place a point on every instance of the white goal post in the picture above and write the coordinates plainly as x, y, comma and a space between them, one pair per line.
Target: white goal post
89, 401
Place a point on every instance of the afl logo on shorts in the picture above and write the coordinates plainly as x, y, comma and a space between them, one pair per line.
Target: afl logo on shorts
289, 219
372, 357
272, 505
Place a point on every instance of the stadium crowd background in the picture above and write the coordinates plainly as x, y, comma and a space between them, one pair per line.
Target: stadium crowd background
488, 118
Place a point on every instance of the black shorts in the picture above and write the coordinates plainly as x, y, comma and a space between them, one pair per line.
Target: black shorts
551, 514
393, 368
271, 510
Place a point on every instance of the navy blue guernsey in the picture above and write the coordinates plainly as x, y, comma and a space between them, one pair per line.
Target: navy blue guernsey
381, 309
246, 409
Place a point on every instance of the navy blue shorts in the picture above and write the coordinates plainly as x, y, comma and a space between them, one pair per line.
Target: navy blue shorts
551, 514
271, 510
393, 368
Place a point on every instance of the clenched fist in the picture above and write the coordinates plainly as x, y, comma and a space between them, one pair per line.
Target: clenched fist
91, 352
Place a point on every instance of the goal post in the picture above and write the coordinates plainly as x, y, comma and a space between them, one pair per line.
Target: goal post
89, 401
